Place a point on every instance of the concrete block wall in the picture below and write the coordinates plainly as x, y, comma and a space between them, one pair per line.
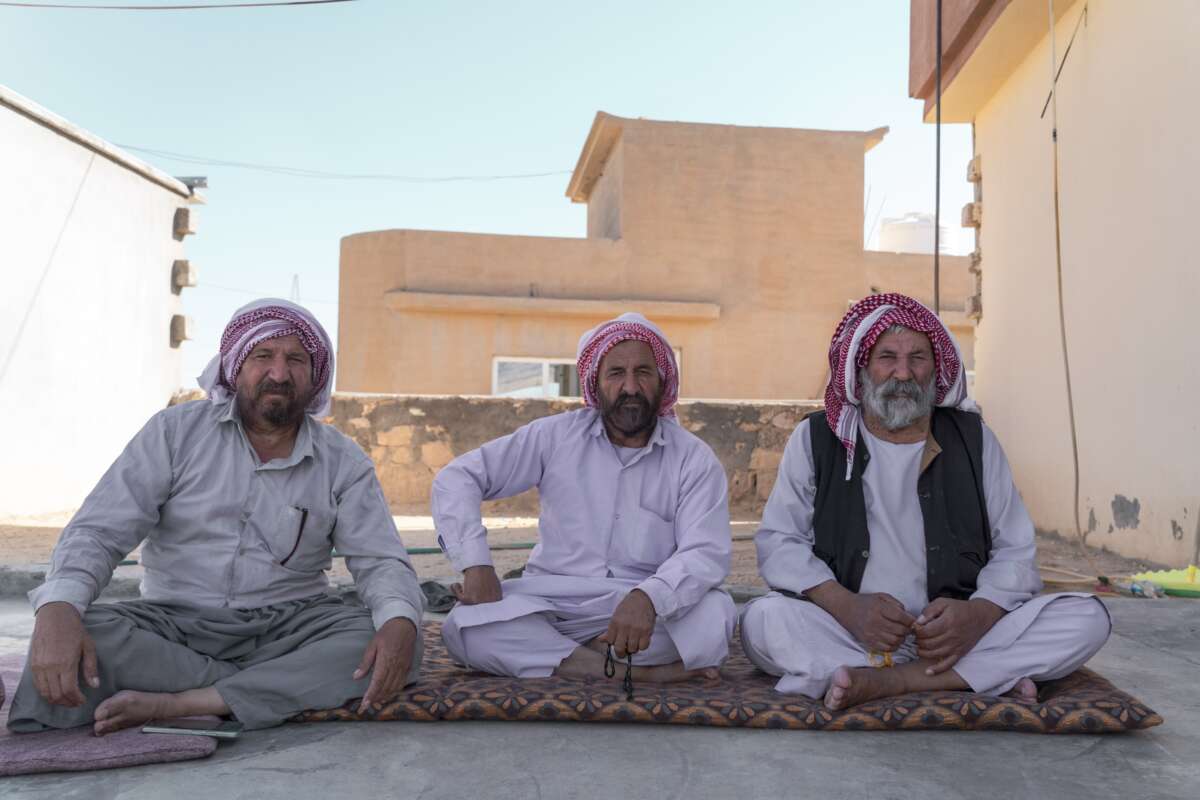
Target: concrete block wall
411, 437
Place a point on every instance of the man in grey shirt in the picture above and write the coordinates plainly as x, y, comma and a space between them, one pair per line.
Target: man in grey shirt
239, 501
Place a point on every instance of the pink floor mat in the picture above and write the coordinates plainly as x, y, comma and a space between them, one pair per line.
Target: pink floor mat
76, 749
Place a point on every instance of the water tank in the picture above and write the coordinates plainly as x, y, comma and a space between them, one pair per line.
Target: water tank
912, 233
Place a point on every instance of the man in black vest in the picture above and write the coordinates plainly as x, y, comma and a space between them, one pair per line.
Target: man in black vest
900, 554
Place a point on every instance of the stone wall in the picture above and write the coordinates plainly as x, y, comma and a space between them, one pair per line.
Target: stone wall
411, 437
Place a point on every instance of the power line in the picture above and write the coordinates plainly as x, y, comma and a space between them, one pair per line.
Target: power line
1055, 69
1063, 63
937, 177
256, 293
303, 172
180, 7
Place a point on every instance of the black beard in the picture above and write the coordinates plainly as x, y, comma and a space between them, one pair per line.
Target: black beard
630, 414
276, 404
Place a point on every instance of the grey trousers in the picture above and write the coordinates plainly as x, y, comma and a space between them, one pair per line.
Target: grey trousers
268, 664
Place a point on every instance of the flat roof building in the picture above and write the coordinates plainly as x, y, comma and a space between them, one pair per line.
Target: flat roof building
745, 244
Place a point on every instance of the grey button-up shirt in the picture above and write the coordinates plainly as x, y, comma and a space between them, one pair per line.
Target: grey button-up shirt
222, 529
661, 517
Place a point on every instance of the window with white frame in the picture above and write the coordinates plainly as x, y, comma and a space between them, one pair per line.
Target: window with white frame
519, 376
516, 376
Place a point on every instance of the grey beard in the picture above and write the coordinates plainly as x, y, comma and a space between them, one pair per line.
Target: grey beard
897, 404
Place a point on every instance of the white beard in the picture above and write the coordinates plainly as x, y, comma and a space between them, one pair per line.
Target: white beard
897, 404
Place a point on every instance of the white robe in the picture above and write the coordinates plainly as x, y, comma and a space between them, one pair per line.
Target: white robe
1041, 637
654, 519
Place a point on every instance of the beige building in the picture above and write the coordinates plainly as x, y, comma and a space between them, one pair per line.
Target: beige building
92, 267
745, 244
1128, 173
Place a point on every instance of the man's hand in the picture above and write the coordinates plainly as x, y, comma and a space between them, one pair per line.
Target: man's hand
878, 621
389, 657
59, 643
632, 624
948, 629
480, 585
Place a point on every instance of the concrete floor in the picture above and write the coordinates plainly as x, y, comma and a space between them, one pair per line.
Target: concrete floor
1154, 653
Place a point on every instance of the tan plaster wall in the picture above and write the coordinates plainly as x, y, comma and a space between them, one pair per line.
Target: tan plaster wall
765, 222
1129, 198
410, 438
423, 353
604, 205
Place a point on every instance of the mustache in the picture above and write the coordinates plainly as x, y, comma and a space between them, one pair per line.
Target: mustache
626, 399
895, 388
268, 386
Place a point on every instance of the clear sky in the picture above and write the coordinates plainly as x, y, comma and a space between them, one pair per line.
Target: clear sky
436, 89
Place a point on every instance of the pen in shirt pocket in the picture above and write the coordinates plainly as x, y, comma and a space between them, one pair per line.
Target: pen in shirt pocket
299, 532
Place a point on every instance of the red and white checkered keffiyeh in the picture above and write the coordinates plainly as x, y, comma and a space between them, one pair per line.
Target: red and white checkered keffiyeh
851, 346
596, 343
256, 323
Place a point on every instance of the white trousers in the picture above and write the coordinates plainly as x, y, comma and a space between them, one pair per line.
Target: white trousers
1049, 637
527, 635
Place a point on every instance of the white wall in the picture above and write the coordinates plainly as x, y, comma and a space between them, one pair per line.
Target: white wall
85, 355
1130, 167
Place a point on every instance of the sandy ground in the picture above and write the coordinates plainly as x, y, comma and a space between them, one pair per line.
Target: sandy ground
32, 544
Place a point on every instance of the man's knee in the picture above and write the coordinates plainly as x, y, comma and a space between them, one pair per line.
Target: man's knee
352, 632
476, 645
505, 647
1077, 627
754, 613
718, 605
759, 613
110, 626
107, 616
1089, 620
754, 621
704, 632
481, 645
452, 639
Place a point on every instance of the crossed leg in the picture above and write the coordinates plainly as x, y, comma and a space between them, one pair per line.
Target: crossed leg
816, 657
532, 647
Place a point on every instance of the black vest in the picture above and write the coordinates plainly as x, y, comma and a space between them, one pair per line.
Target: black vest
958, 537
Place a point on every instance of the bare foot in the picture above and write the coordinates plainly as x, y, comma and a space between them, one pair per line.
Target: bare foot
1025, 691
587, 661
128, 708
675, 673
597, 645
851, 686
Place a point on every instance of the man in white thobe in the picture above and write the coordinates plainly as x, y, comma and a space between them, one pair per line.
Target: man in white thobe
634, 534
899, 551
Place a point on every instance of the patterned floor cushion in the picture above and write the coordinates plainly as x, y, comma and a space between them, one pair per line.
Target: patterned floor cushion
1083, 702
